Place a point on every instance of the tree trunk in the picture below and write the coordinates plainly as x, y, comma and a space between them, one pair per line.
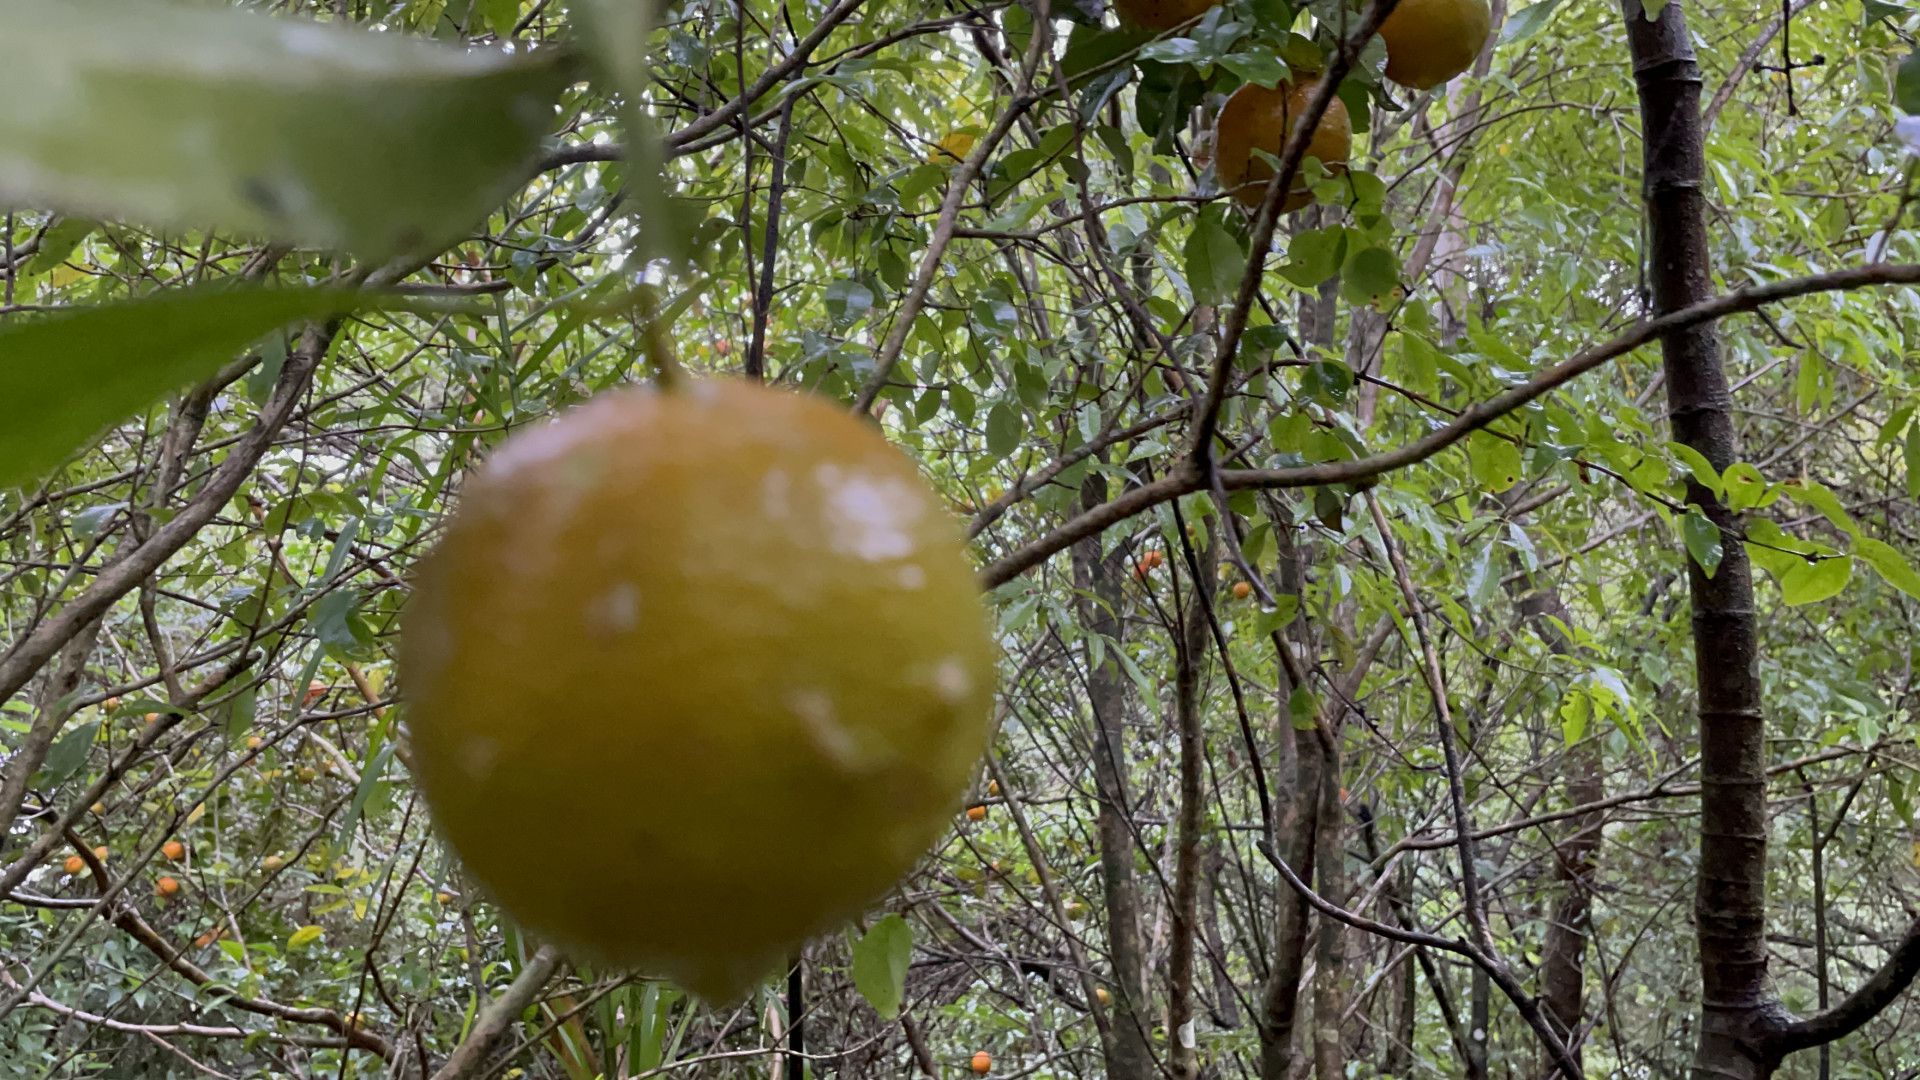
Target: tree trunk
1189, 844
1128, 1053
1730, 894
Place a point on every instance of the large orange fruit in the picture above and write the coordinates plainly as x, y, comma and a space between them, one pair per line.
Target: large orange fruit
1256, 118
1431, 41
694, 675
1162, 14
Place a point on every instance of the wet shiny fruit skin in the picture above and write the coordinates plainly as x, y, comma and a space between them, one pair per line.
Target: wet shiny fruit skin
1256, 118
694, 675
1431, 41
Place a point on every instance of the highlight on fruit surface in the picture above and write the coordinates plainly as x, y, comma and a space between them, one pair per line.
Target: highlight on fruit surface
722, 635
1256, 118
1162, 14
1431, 41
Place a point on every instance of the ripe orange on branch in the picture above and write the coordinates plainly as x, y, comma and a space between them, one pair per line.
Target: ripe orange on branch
720, 635
1431, 41
1256, 118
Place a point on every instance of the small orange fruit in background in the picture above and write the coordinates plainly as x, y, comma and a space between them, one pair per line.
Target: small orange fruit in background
1431, 41
993, 787
152, 718
1242, 590
74, 864
100, 853
1256, 118
1105, 997
98, 808
976, 813
110, 704
982, 1063
1161, 14
317, 689
209, 937
272, 863
174, 849
255, 742
167, 886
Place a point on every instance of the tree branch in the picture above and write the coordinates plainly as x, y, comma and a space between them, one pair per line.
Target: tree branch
1187, 479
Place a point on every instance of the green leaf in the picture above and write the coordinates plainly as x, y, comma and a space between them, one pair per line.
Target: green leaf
1496, 462
1703, 540
1822, 499
1698, 465
880, 964
1890, 564
67, 755
303, 937
57, 243
1812, 582
65, 377
847, 300
502, 15
1881, 10
1745, 488
1003, 430
1370, 273
193, 118
1315, 256
1911, 455
1214, 262
1906, 84
1528, 21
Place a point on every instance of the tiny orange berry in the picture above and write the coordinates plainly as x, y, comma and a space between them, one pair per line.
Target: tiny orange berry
982, 1063
976, 813
74, 864
1242, 590
993, 787
255, 742
98, 808
167, 886
100, 853
110, 704
174, 849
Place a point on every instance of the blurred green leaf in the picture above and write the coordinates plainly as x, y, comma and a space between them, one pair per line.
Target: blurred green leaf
194, 118
66, 376
880, 964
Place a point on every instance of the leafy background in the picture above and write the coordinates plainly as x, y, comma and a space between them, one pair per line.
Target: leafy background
1002, 234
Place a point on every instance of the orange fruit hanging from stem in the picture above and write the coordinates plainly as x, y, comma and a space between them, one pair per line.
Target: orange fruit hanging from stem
721, 635
1431, 41
1256, 118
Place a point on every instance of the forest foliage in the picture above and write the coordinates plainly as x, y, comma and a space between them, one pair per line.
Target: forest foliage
1368, 579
